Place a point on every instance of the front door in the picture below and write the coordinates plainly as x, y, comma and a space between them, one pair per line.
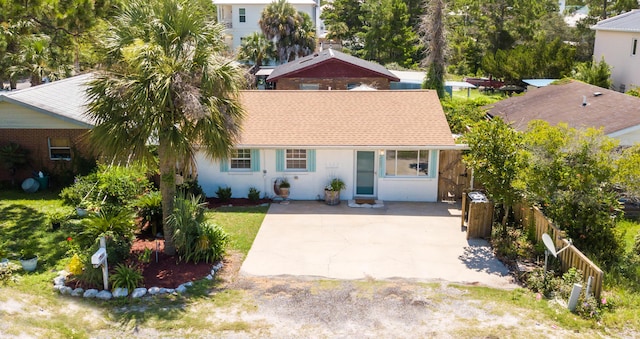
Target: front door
365, 173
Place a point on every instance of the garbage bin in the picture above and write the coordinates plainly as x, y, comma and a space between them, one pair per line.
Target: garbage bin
30, 185
43, 181
478, 212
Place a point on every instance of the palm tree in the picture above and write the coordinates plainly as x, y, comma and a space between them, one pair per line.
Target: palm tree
256, 48
288, 28
165, 83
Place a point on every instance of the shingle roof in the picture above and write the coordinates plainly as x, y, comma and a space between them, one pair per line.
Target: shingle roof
613, 111
344, 119
625, 22
326, 55
64, 99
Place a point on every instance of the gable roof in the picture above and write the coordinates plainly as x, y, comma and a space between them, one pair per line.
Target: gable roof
64, 99
625, 22
613, 111
318, 58
337, 119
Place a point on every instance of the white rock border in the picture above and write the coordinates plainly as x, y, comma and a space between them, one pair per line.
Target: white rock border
60, 280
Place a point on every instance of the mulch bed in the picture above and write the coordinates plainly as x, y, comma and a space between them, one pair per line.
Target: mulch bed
235, 202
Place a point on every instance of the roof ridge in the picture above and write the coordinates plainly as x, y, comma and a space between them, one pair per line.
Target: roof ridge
48, 84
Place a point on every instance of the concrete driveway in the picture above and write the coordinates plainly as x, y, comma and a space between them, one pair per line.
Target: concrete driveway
420, 241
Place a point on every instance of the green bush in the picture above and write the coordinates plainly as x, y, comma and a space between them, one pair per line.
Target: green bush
91, 276
6, 272
636, 246
117, 223
126, 277
191, 187
254, 194
194, 238
224, 193
149, 207
111, 187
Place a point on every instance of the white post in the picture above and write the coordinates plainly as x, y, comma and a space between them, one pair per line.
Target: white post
105, 265
589, 282
573, 298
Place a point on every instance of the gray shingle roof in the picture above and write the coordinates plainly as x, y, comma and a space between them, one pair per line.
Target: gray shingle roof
64, 99
613, 111
317, 58
625, 22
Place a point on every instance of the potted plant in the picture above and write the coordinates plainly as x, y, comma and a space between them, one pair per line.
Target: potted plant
332, 191
284, 188
28, 259
57, 217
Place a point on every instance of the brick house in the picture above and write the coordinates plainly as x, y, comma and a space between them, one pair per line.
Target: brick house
48, 121
330, 69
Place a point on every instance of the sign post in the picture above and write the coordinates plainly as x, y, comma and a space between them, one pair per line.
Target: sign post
100, 259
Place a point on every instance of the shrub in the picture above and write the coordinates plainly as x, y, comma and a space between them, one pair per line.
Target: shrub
191, 187
224, 193
636, 247
111, 187
149, 207
90, 276
126, 277
118, 223
6, 272
194, 238
254, 194
547, 285
75, 265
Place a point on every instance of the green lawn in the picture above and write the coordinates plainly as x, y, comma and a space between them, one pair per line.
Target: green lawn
630, 229
241, 223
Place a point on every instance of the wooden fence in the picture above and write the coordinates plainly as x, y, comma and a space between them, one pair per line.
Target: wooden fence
571, 257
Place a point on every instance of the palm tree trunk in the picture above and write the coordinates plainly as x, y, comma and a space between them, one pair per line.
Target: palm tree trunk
168, 191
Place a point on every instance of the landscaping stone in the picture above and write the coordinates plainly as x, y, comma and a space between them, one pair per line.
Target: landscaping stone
77, 292
139, 292
120, 292
181, 289
209, 277
59, 280
104, 295
56, 288
169, 290
90, 293
154, 290
188, 284
66, 290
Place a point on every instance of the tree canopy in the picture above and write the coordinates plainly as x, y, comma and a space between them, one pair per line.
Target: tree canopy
165, 82
291, 31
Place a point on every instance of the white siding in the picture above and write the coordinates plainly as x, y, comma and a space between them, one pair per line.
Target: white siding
19, 117
310, 185
616, 49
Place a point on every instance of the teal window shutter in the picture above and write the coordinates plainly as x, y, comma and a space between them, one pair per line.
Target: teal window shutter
224, 165
279, 160
433, 163
255, 160
381, 165
311, 160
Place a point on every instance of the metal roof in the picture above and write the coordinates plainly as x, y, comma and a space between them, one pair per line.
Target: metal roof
64, 99
625, 22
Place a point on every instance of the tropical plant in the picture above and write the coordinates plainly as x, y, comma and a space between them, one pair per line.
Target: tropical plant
119, 223
224, 193
126, 277
292, 31
166, 81
195, 239
336, 184
149, 207
90, 276
284, 183
254, 194
256, 48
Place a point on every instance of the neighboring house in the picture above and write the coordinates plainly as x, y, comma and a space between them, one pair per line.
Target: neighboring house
617, 42
578, 104
48, 121
241, 17
382, 144
330, 70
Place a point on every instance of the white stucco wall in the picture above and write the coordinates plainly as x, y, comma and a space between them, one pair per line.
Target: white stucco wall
616, 49
252, 12
310, 185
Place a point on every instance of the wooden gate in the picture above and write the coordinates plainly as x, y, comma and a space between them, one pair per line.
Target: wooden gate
453, 176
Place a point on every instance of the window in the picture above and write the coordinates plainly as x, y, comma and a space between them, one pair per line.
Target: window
59, 149
243, 15
309, 87
407, 163
241, 159
296, 159
634, 46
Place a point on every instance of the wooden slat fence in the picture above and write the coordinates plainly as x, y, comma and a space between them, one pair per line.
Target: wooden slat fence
571, 257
